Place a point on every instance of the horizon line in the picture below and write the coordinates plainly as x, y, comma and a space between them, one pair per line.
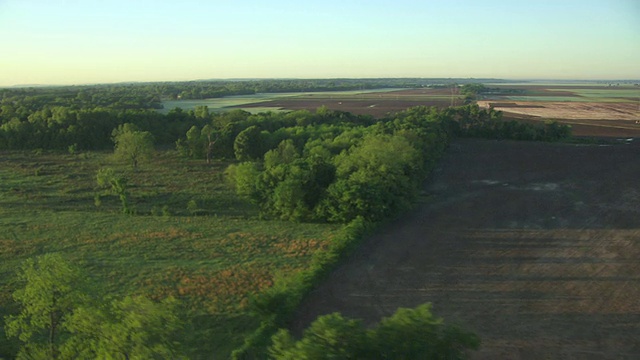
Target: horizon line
312, 78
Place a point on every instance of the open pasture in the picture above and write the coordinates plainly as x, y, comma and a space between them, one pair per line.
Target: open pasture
533, 246
211, 255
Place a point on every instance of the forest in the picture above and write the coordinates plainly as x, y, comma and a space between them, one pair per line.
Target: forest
318, 166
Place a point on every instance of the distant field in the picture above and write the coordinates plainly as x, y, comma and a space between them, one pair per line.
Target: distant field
379, 103
584, 106
211, 257
591, 109
238, 102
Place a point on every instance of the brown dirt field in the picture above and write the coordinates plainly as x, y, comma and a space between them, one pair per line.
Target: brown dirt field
569, 110
576, 86
534, 246
589, 127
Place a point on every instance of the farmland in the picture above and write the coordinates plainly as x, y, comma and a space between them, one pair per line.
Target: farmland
261, 102
533, 246
591, 109
610, 111
367, 103
377, 102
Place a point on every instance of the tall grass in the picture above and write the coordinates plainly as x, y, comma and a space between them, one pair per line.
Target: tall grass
213, 257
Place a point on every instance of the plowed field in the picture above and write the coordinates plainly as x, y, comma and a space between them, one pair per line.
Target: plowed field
534, 246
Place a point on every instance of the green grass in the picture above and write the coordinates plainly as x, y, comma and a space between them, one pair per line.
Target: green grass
221, 104
604, 92
211, 257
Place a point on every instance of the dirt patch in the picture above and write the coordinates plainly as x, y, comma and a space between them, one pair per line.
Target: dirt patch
533, 246
496, 105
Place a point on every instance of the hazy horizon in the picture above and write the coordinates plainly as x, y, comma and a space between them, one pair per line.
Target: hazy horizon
74, 42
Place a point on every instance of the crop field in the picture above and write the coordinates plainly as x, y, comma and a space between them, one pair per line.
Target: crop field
592, 110
609, 111
533, 246
210, 254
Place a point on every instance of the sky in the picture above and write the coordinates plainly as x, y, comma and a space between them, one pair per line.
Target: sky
87, 41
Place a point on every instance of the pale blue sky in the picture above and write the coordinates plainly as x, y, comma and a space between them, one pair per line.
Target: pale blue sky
96, 41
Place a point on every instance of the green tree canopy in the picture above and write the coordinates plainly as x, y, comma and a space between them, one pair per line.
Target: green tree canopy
128, 328
407, 334
60, 320
132, 145
248, 144
53, 289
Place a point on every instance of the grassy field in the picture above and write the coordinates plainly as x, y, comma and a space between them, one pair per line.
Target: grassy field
211, 255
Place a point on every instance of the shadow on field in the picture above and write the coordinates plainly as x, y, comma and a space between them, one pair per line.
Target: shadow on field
533, 246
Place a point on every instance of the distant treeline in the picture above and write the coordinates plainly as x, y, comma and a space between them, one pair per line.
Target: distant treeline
21, 101
58, 117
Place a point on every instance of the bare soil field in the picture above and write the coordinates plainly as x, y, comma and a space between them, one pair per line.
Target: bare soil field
534, 246
568, 110
586, 118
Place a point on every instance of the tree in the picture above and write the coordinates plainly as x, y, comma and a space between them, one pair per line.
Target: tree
194, 142
248, 144
407, 334
53, 289
128, 328
132, 145
59, 320
329, 337
243, 178
374, 179
207, 132
114, 183
417, 334
285, 153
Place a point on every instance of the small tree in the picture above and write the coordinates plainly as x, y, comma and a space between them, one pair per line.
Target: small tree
132, 145
208, 133
114, 183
